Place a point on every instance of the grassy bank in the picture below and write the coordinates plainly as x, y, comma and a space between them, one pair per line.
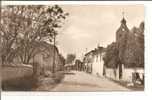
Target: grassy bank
48, 83
19, 78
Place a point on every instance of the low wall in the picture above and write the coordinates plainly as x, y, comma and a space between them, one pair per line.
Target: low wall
110, 73
126, 73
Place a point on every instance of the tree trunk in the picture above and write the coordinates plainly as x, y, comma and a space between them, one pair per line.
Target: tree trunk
120, 71
3, 59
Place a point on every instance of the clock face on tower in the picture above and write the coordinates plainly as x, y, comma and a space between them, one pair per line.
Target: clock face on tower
123, 29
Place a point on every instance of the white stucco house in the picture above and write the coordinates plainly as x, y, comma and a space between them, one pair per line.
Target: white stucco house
94, 61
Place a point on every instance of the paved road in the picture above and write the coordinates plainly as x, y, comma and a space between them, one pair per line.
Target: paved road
79, 81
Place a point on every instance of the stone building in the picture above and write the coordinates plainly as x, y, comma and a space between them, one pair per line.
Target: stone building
44, 59
126, 40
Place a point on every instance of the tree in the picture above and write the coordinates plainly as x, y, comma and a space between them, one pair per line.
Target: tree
31, 25
130, 44
111, 58
134, 52
9, 29
70, 58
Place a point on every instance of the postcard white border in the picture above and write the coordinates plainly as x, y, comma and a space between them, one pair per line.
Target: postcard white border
96, 95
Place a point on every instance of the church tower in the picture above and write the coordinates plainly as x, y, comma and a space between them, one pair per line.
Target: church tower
121, 37
122, 30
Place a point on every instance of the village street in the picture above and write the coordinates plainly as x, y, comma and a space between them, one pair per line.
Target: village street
67, 48
76, 81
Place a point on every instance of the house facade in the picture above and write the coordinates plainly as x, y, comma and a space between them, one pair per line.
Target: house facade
98, 63
93, 62
87, 62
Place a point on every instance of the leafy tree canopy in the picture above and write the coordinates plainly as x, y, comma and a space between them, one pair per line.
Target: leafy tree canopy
22, 26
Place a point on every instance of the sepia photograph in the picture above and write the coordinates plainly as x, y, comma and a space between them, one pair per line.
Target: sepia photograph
72, 48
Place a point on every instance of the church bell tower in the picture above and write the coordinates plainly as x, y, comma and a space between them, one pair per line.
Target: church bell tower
122, 30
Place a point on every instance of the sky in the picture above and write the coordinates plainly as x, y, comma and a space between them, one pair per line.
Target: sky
88, 26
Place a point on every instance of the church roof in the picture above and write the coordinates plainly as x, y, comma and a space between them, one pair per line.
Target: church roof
123, 27
123, 21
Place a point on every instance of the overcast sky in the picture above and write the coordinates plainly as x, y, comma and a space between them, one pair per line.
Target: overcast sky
90, 25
